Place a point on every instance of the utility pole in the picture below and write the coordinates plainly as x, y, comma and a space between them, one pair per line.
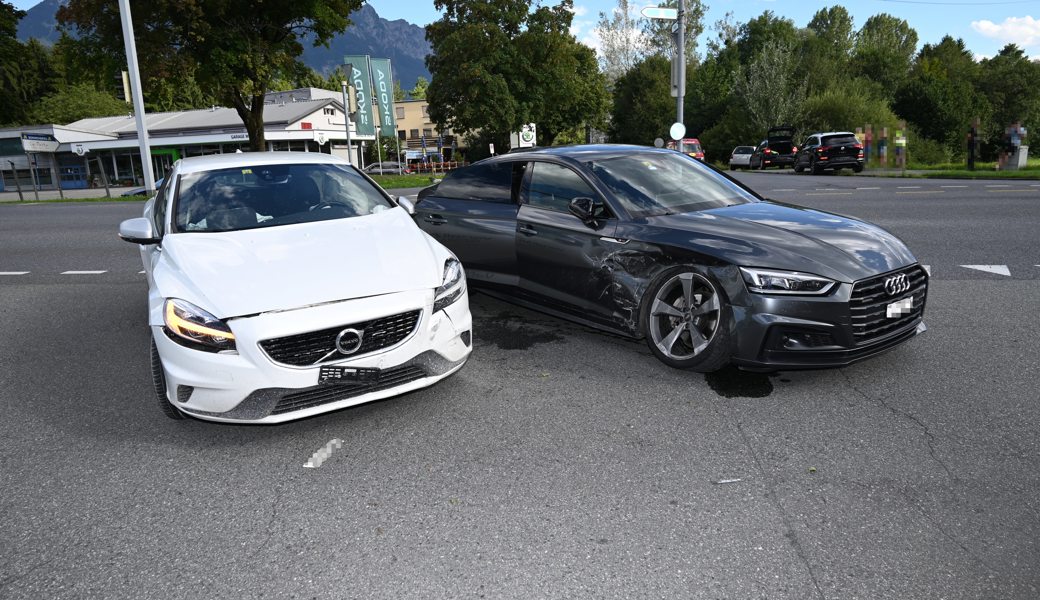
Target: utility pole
135, 90
346, 111
680, 56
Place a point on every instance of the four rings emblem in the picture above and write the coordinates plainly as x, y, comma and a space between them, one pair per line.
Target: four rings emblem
897, 284
349, 340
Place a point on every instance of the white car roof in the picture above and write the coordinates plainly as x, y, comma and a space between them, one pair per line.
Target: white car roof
213, 162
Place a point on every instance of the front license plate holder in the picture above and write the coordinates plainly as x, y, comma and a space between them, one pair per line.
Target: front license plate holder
348, 375
900, 308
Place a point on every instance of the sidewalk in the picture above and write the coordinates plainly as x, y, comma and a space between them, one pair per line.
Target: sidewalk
29, 196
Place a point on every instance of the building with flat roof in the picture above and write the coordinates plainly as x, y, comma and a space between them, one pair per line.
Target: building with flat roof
305, 120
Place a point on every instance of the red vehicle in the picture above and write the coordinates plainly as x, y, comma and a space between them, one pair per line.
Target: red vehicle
691, 146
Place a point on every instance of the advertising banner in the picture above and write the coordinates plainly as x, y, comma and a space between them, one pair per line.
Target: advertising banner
364, 120
383, 91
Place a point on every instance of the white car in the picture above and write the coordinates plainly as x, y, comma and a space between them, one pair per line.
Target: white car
284, 285
740, 158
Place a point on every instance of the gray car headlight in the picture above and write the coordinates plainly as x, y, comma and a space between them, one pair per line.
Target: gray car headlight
452, 287
192, 326
770, 281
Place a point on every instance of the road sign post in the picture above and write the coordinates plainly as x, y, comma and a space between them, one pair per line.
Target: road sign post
679, 55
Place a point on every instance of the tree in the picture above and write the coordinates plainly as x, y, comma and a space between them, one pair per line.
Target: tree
622, 43
767, 89
499, 65
643, 107
883, 51
419, 91
399, 94
658, 32
1007, 81
827, 48
235, 50
939, 96
81, 101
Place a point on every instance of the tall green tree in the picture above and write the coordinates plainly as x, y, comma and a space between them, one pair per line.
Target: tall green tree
884, 51
827, 48
658, 32
1008, 81
767, 90
643, 107
499, 65
939, 97
235, 49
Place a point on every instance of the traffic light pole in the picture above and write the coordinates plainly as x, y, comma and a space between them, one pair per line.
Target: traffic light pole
346, 112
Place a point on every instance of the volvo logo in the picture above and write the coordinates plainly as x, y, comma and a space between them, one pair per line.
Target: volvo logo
349, 340
896, 284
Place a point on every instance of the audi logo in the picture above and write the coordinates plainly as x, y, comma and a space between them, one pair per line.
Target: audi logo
897, 284
349, 341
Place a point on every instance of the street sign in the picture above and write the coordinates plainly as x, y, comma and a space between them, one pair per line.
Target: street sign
39, 142
677, 131
660, 12
80, 149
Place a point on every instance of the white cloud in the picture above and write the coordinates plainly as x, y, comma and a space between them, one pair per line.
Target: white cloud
578, 26
580, 10
1024, 31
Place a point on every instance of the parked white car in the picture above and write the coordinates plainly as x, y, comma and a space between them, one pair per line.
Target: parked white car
740, 158
283, 285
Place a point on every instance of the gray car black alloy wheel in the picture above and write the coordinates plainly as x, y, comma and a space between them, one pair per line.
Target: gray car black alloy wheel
684, 322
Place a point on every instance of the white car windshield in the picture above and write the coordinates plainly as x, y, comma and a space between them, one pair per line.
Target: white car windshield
249, 197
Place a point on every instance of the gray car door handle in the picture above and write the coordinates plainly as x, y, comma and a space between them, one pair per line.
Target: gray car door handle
526, 229
435, 219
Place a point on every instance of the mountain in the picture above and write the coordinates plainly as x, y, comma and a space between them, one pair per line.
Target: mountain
402, 42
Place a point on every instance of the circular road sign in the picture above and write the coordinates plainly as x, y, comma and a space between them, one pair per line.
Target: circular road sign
658, 142
677, 131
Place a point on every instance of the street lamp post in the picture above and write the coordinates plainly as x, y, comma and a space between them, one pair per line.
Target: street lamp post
138, 97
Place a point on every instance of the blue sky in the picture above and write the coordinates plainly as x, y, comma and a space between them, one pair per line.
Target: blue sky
984, 26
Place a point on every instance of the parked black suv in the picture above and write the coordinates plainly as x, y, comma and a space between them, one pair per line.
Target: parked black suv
777, 150
834, 150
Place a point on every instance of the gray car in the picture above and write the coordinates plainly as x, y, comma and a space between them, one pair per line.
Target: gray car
740, 158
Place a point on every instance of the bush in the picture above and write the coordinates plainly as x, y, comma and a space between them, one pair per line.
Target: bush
924, 152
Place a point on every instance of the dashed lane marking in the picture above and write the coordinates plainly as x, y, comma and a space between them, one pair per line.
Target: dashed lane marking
783, 190
924, 192
908, 187
868, 188
996, 269
998, 185
828, 194
83, 272
953, 186
14, 272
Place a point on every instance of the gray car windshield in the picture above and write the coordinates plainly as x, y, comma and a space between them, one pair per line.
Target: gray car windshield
249, 197
665, 183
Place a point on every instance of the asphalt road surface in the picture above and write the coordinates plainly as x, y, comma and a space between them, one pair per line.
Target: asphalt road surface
559, 463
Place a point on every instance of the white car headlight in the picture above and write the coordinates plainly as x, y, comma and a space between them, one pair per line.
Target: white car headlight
769, 281
452, 287
193, 327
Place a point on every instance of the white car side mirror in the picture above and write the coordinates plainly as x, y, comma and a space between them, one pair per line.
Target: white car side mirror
406, 204
138, 231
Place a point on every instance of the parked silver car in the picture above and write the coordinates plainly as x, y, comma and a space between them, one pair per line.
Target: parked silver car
740, 158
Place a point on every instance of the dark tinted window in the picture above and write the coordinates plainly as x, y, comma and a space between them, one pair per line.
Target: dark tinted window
270, 195
743, 150
841, 139
490, 182
159, 208
553, 187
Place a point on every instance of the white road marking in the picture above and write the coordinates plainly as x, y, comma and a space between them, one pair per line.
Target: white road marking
998, 185
1034, 184
868, 188
83, 272
924, 192
14, 272
783, 190
953, 186
1009, 191
725, 481
828, 194
928, 269
909, 187
996, 269
323, 454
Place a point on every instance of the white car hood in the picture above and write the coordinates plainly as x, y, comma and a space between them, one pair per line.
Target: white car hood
290, 266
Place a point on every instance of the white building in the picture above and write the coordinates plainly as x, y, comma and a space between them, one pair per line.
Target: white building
305, 120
